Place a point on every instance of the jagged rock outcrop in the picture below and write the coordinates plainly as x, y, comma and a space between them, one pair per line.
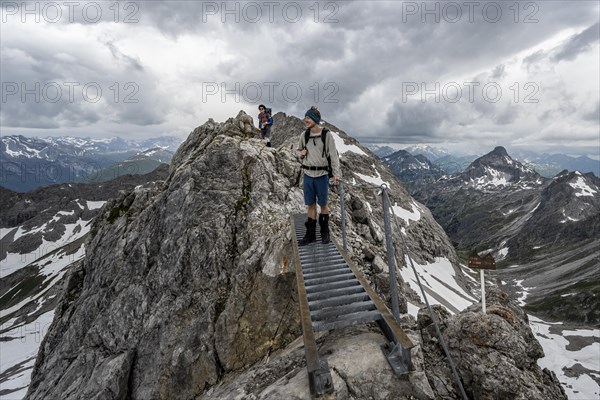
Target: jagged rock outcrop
183, 281
495, 353
188, 285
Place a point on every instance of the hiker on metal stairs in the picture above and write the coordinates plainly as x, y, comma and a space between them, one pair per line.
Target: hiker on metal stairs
320, 161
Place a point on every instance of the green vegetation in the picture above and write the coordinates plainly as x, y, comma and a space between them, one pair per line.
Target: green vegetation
116, 213
242, 203
579, 303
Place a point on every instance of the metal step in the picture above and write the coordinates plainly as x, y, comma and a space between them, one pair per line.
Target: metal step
334, 285
323, 268
347, 320
325, 274
326, 313
337, 301
312, 261
334, 293
319, 281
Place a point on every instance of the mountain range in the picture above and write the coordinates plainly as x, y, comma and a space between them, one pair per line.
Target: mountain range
545, 164
180, 284
28, 163
501, 206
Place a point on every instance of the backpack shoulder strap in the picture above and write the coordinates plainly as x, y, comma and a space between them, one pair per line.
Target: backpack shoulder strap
306, 136
324, 139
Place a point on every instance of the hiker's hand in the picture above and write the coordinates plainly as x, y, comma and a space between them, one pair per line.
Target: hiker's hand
336, 180
303, 153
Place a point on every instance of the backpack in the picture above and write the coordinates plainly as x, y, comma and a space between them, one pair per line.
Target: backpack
268, 111
324, 139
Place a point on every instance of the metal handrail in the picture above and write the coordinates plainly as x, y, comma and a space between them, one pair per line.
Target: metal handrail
392, 268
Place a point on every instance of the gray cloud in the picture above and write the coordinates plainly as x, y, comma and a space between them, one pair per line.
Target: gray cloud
415, 121
364, 58
593, 115
577, 44
133, 62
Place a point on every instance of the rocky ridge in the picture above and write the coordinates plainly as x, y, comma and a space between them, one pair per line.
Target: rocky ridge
189, 285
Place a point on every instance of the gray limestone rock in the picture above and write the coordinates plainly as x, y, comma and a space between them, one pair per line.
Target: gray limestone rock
495, 354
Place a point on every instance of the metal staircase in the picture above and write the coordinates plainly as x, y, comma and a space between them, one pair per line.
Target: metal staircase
333, 294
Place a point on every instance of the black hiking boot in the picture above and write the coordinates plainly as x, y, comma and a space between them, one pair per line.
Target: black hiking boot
268, 144
311, 235
324, 224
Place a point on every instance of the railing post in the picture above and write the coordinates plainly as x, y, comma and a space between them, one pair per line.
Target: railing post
390, 253
343, 216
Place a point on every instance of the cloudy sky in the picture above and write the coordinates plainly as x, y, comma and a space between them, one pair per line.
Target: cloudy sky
464, 75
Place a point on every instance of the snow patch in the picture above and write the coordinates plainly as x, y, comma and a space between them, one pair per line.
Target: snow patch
81, 206
375, 180
524, 292
15, 261
19, 347
582, 185
407, 215
567, 218
438, 278
93, 205
342, 147
557, 358
502, 253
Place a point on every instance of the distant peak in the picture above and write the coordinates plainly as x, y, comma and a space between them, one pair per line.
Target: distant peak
501, 151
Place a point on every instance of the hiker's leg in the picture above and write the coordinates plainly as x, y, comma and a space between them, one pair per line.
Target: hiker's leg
311, 208
312, 211
324, 224
310, 192
322, 194
268, 135
310, 236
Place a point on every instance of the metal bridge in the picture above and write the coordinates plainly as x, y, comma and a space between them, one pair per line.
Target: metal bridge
334, 294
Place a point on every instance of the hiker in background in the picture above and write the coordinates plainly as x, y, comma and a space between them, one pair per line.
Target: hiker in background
265, 121
319, 160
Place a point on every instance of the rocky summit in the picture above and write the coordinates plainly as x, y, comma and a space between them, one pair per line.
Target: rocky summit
187, 289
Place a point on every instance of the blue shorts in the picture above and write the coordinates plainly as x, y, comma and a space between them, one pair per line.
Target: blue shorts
316, 188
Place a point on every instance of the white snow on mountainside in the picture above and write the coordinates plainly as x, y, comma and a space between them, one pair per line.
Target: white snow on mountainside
439, 283
27, 304
19, 339
374, 180
567, 349
14, 261
342, 147
584, 188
